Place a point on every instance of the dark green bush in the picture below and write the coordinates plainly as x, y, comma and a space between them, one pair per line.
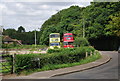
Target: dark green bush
59, 50
53, 50
26, 61
65, 56
56, 47
81, 42
7, 45
55, 56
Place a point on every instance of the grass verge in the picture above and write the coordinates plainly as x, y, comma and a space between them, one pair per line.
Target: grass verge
57, 66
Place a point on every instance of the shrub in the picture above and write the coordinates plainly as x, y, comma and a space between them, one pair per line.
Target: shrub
55, 56
81, 42
53, 50
56, 47
26, 61
7, 45
59, 50
14, 44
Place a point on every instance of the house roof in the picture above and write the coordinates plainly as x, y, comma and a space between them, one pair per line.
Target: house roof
7, 39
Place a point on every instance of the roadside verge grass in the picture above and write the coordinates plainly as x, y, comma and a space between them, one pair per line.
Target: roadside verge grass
58, 66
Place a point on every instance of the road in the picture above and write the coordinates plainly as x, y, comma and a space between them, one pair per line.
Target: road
106, 71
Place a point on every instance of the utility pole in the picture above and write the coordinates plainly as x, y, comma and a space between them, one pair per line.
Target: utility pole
83, 28
36, 37
1, 31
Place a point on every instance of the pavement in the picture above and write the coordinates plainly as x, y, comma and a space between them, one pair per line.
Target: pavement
63, 71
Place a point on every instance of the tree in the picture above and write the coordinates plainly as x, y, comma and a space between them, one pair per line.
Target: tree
10, 32
96, 18
113, 28
81, 42
21, 29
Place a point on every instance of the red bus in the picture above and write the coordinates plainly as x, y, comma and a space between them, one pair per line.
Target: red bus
68, 40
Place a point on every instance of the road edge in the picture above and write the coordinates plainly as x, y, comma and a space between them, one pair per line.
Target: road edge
104, 62
62, 71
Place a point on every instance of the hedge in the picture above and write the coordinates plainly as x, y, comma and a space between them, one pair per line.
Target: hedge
59, 50
30, 61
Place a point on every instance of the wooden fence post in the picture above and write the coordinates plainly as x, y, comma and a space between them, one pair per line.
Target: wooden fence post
91, 53
86, 54
39, 62
13, 64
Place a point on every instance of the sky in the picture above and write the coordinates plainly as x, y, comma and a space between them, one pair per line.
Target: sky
31, 15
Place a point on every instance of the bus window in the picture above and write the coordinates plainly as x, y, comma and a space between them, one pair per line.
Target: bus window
54, 36
70, 43
65, 43
68, 36
54, 44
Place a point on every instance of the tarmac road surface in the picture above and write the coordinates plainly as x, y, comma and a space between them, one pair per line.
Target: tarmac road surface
106, 71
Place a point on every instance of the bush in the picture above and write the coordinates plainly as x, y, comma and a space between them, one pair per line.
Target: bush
55, 56
56, 47
53, 50
14, 44
81, 42
59, 50
7, 46
26, 61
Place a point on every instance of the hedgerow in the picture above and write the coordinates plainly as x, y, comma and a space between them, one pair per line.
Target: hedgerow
32, 61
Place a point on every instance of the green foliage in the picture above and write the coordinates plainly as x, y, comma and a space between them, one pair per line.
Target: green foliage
95, 17
59, 50
57, 66
56, 47
0, 42
20, 34
10, 32
113, 28
26, 61
30, 61
79, 41
53, 50
62, 22
21, 29
9, 45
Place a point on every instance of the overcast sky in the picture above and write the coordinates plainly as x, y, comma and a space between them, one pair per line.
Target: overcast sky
31, 15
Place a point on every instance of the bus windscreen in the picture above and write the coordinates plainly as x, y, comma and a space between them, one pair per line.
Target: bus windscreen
54, 36
68, 36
